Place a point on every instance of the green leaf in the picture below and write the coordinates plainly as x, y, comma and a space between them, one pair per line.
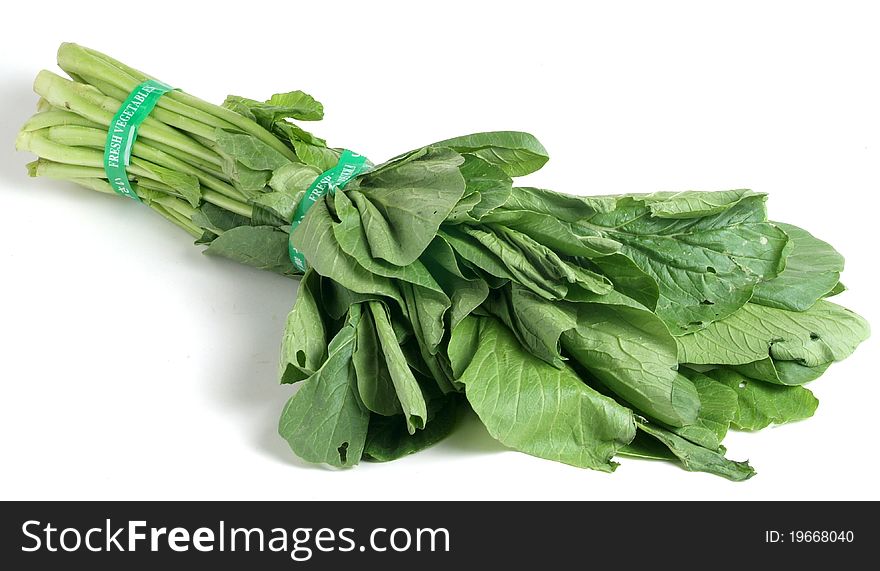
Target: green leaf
836, 290
402, 206
293, 105
318, 156
249, 151
565, 207
488, 183
324, 422
433, 302
405, 385
218, 220
336, 299
718, 406
812, 270
289, 183
273, 209
460, 213
566, 238
622, 345
245, 179
630, 351
426, 309
427, 324
352, 238
186, 185
514, 152
465, 291
293, 178
628, 278
647, 447
537, 323
263, 247
511, 255
706, 267
694, 204
314, 237
789, 373
533, 407
304, 343
705, 251
824, 333
695, 458
762, 404
388, 439
295, 133
374, 383
240, 105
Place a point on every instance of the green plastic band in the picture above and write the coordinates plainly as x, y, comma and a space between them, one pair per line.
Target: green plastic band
123, 131
349, 166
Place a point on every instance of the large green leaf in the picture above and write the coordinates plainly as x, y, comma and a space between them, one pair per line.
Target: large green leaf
630, 351
718, 406
762, 404
534, 407
402, 205
824, 333
304, 343
374, 383
514, 152
352, 238
315, 238
412, 402
812, 269
622, 345
325, 422
388, 438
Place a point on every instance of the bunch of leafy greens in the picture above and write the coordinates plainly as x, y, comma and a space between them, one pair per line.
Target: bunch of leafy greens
578, 329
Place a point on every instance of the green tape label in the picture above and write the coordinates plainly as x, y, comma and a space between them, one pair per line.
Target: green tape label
349, 166
122, 133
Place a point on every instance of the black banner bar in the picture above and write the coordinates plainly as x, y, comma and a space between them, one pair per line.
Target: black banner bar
317, 535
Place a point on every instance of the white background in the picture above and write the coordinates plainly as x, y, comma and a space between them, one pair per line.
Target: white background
132, 366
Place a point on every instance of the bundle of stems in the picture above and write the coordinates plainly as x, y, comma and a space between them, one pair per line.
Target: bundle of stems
176, 162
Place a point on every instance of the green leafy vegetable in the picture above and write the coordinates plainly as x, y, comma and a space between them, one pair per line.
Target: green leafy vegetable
577, 328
